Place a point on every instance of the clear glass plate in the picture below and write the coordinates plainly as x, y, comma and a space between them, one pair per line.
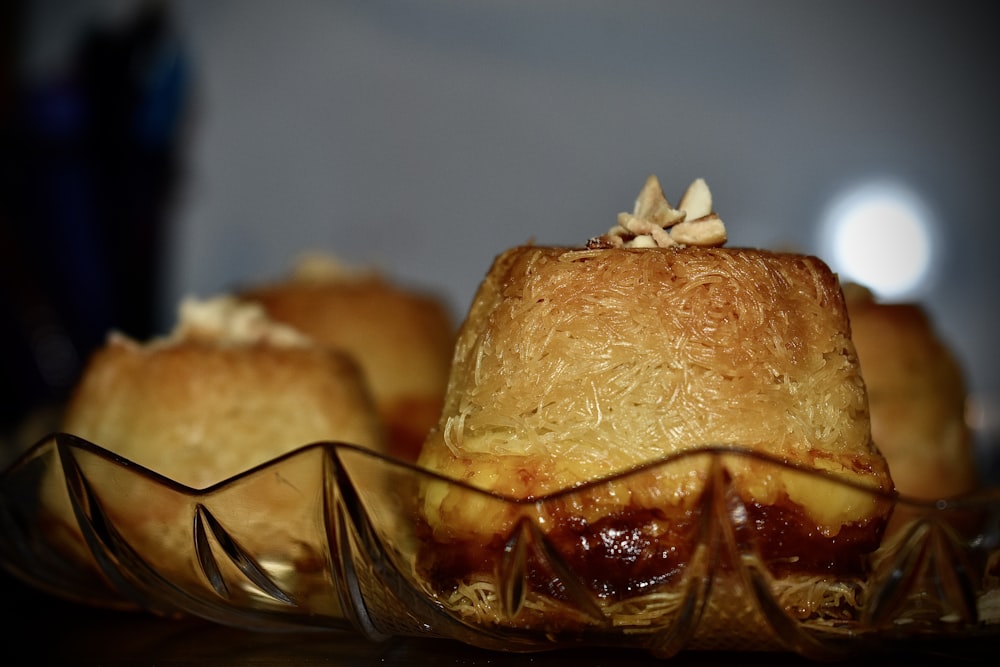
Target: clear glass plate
330, 536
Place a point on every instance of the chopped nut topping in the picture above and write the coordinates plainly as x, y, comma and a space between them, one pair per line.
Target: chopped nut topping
654, 223
318, 267
227, 320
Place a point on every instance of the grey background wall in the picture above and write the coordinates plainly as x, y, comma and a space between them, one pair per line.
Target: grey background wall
425, 137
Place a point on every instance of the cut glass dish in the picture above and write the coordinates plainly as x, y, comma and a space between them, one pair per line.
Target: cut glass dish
330, 537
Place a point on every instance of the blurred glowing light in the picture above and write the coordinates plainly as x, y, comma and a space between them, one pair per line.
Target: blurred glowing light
880, 235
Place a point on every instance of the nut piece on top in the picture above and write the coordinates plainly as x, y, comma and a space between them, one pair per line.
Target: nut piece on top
654, 223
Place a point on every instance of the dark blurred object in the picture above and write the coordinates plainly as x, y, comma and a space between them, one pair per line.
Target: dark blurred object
89, 168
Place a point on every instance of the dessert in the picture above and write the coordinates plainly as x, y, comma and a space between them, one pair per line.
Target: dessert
916, 396
575, 364
226, 391
401, 337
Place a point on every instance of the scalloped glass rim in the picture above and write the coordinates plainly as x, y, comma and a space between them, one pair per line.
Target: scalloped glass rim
325, 537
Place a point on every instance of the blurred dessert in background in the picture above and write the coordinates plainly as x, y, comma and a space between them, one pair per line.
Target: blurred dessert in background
916, 396
401, 337
228, 389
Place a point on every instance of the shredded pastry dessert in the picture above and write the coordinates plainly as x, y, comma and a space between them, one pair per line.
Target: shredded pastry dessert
576, 363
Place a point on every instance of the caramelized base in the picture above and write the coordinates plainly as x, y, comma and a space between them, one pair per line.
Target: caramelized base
640, 550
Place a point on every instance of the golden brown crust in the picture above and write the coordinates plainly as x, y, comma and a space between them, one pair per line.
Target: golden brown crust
199, 412
228, 390
401, 338
916, 395
621, 356
574, 364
